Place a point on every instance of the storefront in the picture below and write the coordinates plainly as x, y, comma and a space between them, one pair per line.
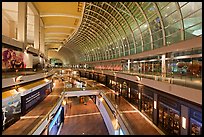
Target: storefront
169, 116
90, 75
102, 78
95, 76
147, 102
134, 95
87, 75
109, 81
195, 122
56, 121
124, 90
82, 73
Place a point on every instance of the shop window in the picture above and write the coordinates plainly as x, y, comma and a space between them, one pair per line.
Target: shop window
195, 127
124, 91
169, 119
135, 98
147, 105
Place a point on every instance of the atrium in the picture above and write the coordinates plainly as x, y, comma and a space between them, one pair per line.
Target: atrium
102, 68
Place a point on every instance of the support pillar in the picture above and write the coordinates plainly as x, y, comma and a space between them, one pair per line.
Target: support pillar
152, 67
129, 65
12, 29
22, 23
163, 66
28, 60
42, 36
37, 32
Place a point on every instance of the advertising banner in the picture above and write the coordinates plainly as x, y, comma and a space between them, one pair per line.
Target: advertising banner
11, 110
12, 59
31, 99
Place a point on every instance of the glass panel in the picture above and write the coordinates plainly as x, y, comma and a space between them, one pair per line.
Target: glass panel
161, 4
158, 43
175, 37
169, 120
173, 28
193, 19
190, 8
193, 31
157, 35
147, 46
139, 49
147, 105
132, 51
168, 9
171, 19
149, 9
182, 3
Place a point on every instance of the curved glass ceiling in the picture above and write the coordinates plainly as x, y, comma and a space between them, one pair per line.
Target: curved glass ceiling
115, 29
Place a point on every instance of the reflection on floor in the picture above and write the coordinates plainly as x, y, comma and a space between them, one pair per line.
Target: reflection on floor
83, 119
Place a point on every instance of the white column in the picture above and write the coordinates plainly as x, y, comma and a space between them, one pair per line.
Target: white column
46, 51
42, 36
12, 29
152, 66
144, 68
22, 23
28, 60
129, 64
37, 32
163, 66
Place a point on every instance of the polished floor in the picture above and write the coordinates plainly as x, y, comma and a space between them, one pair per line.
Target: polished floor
34, 116
134, 120
83, 119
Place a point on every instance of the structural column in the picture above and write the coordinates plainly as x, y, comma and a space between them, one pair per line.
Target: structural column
12, 29
129, 65
22, 23
42, 36
37, 32
163, 66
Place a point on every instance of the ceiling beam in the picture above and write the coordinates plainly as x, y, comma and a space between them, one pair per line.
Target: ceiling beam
60, 26
61, 33
53, 37
59, 15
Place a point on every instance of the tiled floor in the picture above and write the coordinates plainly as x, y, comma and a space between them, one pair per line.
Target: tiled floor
83, 119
